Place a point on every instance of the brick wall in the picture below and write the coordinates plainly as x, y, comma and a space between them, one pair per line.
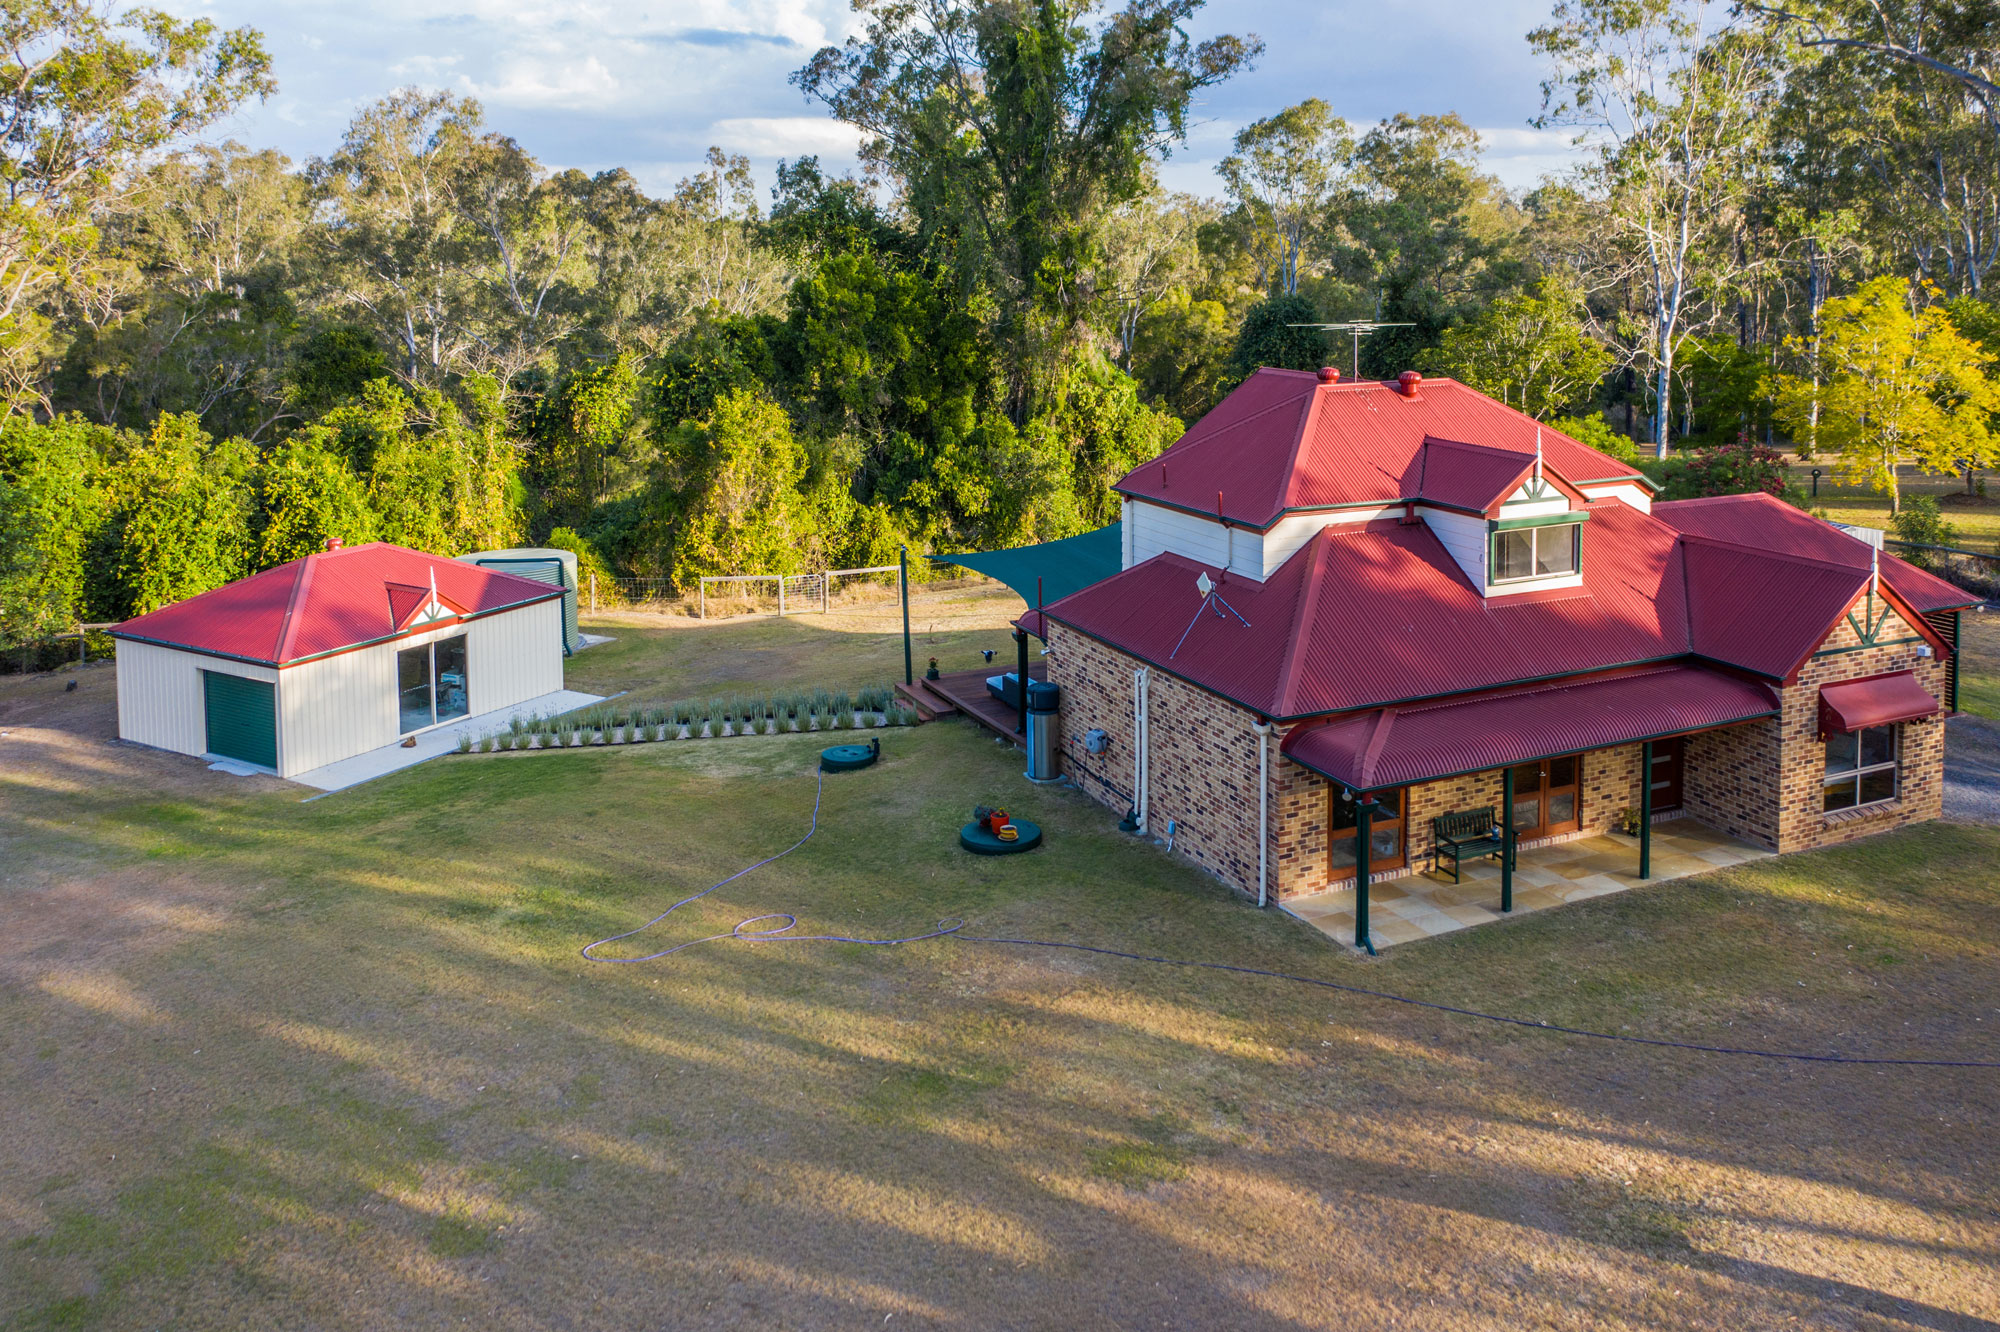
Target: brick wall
1759, 782
1920, 794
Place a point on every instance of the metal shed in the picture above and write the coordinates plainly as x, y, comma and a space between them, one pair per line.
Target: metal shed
334, 655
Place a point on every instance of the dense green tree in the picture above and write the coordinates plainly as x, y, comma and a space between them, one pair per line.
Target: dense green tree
1285, 175
730, 493
1277, 333
1011, 126
183, 510
1530, 350
308, 494
53, 504
88, 97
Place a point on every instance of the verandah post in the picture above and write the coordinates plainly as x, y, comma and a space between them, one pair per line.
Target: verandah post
1506, 840
1364, 810
909, 670
1646, 810
1021, 676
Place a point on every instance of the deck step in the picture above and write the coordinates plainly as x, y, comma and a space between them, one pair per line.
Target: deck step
929, 706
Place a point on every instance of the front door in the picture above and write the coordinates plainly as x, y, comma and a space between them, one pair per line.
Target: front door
1669, 767
1387, 834
1546, 797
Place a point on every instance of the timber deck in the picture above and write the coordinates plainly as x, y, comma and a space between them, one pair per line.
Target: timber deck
965, 692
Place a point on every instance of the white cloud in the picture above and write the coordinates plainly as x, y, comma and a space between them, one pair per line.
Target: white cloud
788, 136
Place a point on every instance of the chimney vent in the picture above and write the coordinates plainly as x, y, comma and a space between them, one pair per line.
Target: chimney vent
333, 543
1329, 374
1406, 383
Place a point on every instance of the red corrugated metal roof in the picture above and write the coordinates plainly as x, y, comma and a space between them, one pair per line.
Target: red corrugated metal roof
1397, 746
1761, 610
1878, 700
328, 601
1381, 612
1766, 522
1466, 476
1283, 440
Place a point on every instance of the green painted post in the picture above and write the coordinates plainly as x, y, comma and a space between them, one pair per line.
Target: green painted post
1957, 644
1506, 839
1646, 810
1364, 810
1021, 675
909, 669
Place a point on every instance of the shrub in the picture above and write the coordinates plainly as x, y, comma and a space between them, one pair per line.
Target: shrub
1726, 469
464, 744
1921, 522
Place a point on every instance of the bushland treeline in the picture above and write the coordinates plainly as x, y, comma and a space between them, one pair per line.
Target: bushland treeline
214, 358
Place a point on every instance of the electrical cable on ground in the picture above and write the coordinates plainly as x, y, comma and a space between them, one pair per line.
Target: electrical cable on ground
953, 929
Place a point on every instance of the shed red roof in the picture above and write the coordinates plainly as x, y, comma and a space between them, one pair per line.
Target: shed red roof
1474, 733
1284, 440
328, 601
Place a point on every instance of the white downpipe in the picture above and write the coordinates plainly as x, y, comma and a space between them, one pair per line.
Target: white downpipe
1140, 724
1263, 729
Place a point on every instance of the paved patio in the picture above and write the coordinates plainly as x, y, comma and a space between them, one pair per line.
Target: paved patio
1419, 906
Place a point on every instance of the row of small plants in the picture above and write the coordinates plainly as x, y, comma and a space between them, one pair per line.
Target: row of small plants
697, 719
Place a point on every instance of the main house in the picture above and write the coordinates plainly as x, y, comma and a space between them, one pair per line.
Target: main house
1388, 601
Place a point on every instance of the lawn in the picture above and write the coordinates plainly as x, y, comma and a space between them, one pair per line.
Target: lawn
661, 657
1979, 667
338, 1065
1976, 517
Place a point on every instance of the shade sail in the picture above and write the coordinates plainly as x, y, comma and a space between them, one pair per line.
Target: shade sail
1059, 567
1387, 747
1876, 701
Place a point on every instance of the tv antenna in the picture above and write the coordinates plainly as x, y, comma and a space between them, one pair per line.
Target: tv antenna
1357, 329
1210, 596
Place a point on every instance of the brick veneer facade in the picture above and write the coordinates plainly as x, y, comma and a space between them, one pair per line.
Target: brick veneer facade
1759, 782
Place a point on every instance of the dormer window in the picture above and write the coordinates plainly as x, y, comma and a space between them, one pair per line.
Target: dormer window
1526, 549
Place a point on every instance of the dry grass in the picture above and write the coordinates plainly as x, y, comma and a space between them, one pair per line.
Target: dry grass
1979, 667
1977, 517
337, 1065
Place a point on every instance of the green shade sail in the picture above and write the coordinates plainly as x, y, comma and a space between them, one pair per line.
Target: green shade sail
1062, 567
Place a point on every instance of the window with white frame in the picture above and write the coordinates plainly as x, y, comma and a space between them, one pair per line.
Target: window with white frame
1534, 552
1860, 768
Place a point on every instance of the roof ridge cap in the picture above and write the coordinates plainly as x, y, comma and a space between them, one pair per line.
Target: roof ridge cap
1288, 479
1302, 617
300, 580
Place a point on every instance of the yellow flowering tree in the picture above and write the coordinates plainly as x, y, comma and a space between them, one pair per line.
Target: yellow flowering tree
1897, 386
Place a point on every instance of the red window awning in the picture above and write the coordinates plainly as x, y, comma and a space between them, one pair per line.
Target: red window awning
1876, 701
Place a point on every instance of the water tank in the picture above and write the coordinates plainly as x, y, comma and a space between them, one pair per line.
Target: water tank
1044, 728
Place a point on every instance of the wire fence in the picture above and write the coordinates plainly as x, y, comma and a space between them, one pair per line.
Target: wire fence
86, 642
1969, 569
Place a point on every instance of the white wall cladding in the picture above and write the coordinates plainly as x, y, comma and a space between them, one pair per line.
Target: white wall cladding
1292, 531
339, 706
1154, 529
343, 705
1464, 537
160, 698
1634, 495
515, 656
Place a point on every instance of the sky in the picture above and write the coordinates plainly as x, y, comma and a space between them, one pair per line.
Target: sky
648, 85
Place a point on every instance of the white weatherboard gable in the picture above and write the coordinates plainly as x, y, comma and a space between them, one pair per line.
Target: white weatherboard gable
1629, 492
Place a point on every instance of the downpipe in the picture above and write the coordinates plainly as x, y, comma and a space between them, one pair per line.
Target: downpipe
1141, 679
1263, 729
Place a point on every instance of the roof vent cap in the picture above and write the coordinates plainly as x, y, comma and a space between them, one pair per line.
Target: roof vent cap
333, 543
1329, 374
1406, 383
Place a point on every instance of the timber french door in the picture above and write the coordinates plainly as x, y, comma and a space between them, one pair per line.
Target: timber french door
1548, 797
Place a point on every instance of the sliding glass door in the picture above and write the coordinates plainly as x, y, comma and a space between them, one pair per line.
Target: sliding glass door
431, 684
1547, 796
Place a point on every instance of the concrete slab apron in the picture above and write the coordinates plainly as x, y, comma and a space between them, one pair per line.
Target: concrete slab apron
438, 740
1422, 906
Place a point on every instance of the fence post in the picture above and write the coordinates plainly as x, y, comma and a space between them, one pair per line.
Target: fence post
704, 598
593, 594
781, 596
83, 644
825, 579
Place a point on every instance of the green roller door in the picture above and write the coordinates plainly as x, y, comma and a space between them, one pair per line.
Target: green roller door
242, 718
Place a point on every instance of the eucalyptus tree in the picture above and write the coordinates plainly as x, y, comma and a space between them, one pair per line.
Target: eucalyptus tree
1151, 246
1674, 97
86, 98
1009, 127
1285, 176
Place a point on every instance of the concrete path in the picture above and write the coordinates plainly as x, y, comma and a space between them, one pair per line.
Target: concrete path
439, 740
1971, 770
